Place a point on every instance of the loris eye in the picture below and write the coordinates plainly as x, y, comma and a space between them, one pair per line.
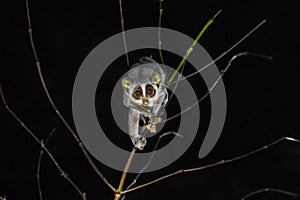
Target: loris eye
150, 91
138, 93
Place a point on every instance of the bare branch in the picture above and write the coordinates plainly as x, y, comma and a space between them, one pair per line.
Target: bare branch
269, 190
225, 52
210, 89
39, 166
41, 143
221, 162
54, 106
150, 159
221, 74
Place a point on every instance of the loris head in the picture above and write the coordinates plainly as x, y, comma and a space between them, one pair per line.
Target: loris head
141, 90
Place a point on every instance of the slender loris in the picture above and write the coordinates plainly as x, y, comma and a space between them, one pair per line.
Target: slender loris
145, 95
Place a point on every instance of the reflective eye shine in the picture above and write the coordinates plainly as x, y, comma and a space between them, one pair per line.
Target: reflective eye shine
138, 93
150, 92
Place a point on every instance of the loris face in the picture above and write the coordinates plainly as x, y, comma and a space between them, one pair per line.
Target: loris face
145, 88
144, 94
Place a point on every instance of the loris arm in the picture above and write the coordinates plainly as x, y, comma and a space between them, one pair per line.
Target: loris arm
138, 141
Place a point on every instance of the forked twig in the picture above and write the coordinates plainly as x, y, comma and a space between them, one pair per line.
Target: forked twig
221, 162
152, 156
39, 166
210, 89
150, 159
3, 198
54, 106
269, 190
119, 191
225, 52
41, 143
188, 52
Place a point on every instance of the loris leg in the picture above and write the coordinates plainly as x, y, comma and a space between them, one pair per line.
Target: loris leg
138, 141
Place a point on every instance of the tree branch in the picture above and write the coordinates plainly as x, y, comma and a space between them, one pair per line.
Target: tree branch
221, 162
41, 143
54, 106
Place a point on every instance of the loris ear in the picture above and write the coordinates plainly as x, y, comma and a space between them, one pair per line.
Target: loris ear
126, 83
156, 79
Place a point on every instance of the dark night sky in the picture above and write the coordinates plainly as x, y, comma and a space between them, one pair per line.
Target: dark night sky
263, 96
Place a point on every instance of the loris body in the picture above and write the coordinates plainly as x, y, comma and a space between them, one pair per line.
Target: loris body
145, 95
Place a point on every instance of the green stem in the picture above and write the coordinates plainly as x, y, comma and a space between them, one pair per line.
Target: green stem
189, 50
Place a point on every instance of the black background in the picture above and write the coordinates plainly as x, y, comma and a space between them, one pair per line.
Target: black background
263, 96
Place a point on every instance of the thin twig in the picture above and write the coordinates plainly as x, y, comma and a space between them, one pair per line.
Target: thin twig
175, 87
181, 64
39, 166
188, 52
54, 106
268, 190
225, 52
150, 159
41, 143
123, 32
3, 198
159, 31
191, 48
210, 89
221, 162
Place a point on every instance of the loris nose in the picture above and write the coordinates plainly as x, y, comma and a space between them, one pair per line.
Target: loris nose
145, 101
